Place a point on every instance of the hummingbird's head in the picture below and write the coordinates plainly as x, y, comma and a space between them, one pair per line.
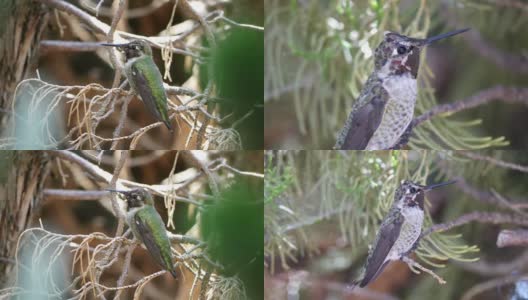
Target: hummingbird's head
136, 198
398, 54
410, 194
133, 49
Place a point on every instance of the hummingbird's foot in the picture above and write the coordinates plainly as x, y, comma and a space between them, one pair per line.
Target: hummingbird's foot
412, 265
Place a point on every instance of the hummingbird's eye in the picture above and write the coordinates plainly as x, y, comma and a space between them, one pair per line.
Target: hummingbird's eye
412, 190
401, 49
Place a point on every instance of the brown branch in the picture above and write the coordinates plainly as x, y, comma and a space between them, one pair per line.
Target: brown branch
203, 165
478, 216
71, 9
496, 93
489, 197
508, 238
71, 46
494, 161
105, 177
72, 195
131, 12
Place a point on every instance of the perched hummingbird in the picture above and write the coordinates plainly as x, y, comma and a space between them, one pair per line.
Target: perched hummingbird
148, 227
399, 232
145, 78
385, 106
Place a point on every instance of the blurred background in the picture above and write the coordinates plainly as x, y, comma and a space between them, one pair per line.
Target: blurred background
323, 210
319, 55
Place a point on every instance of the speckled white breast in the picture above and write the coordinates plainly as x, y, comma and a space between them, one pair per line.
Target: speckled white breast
399, 110
409, 233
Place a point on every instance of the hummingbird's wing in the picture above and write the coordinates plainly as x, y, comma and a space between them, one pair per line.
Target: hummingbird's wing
149, 85
387, 235
149, 226
364, 119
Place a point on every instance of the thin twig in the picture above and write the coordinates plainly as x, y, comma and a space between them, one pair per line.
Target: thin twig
494, 161
488, 197
497, 93
212, 180
73, 46
72, 195
509, 238
478, 216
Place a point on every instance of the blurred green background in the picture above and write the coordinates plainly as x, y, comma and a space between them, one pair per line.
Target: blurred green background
323, 210
319, 54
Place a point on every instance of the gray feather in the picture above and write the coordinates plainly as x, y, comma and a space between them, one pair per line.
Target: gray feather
387, 235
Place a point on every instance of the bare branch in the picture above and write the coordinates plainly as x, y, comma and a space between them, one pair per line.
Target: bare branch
73, 195
489, 197
495, 161
91, 21
497, 93
131, 13
509, 238
74, 46
478, 216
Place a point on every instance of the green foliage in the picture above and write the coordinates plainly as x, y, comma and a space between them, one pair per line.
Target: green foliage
232, 226
237, 68
280, 179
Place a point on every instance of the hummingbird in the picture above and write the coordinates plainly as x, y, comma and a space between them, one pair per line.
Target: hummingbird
400, 231
147, 226
145, 78
385, 106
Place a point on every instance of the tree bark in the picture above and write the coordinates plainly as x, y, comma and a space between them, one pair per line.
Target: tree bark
21, 25
22, 176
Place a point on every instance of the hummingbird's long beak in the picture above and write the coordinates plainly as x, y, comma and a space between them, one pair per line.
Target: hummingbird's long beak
434, 186
443, 36
117, 191
113, 45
